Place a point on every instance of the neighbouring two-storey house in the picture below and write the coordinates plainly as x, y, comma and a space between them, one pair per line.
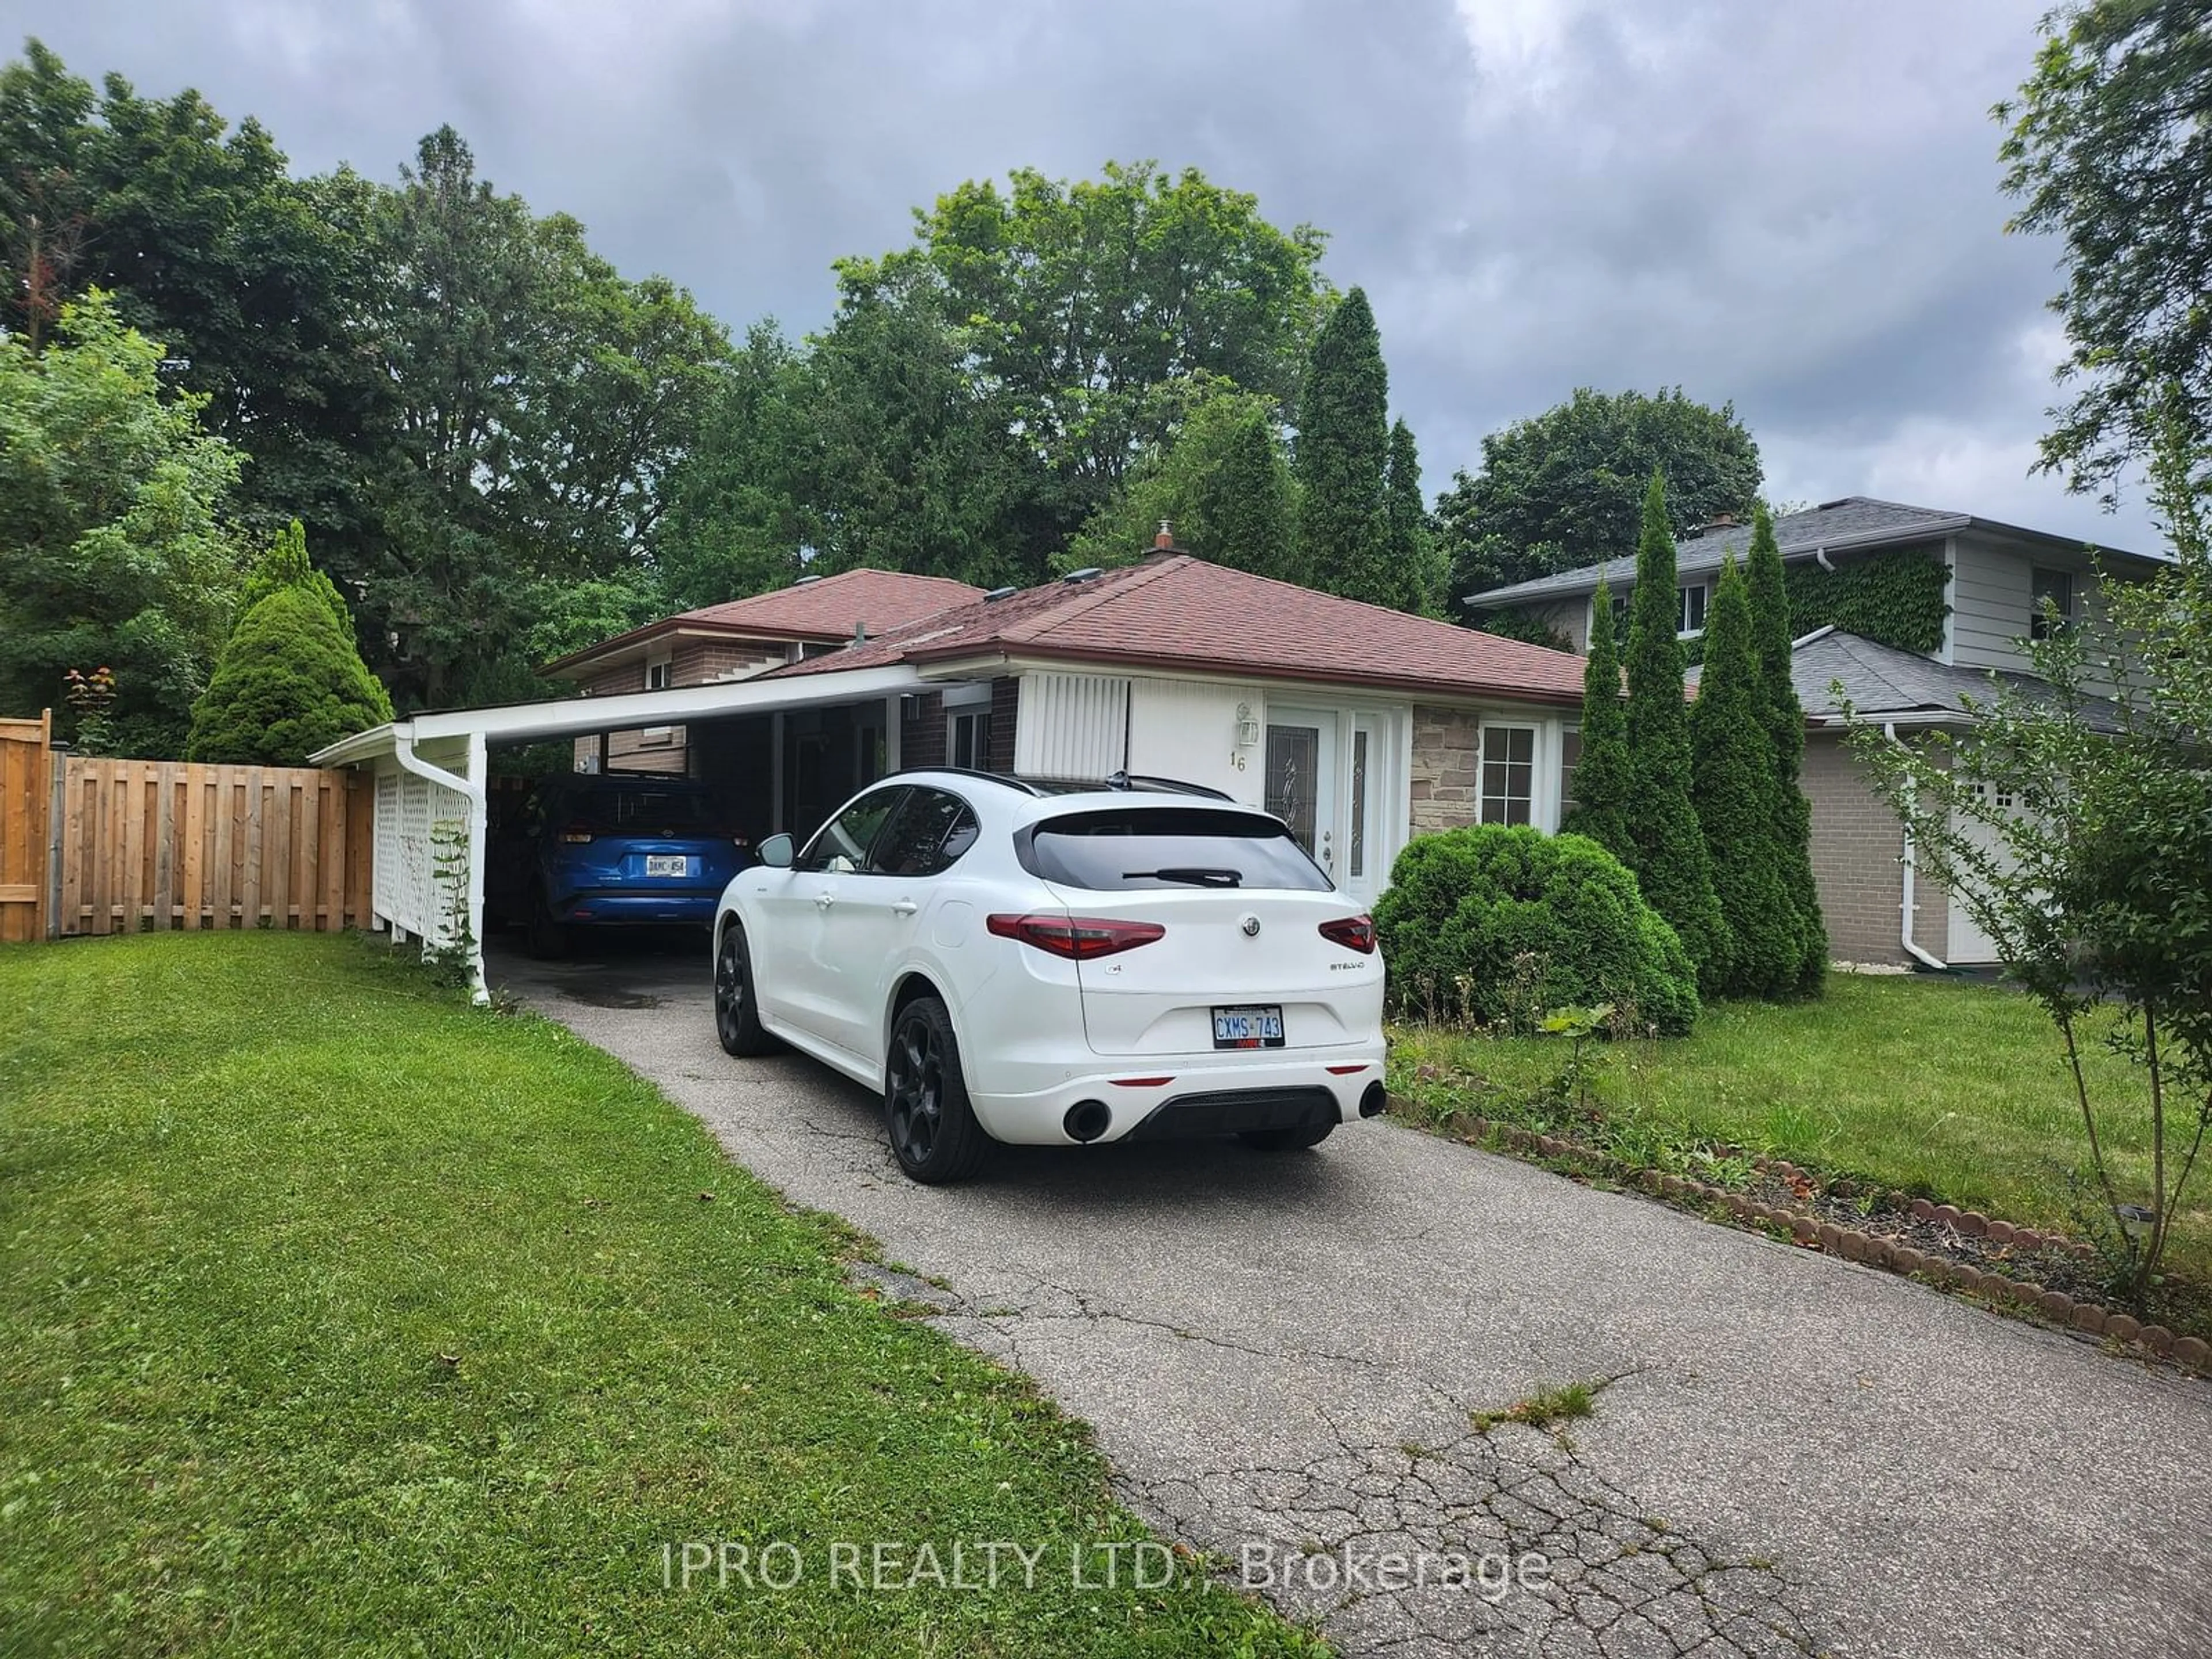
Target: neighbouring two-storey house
1909, 609
737, 641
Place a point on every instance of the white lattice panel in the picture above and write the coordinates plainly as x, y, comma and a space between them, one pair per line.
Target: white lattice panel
411, 811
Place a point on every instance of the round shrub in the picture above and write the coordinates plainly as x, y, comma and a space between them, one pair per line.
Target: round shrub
1498, 923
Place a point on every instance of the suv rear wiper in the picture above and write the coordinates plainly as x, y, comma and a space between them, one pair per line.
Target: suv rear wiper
1194, 874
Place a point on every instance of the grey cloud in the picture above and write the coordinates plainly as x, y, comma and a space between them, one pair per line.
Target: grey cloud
1793, 206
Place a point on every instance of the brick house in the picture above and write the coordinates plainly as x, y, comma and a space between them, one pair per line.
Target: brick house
736, 641
1962, 593
1361, 726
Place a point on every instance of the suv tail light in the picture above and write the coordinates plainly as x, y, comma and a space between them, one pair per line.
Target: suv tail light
1352, 933
1080, 938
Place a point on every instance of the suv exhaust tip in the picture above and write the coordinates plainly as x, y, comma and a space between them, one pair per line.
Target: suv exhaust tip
1087, 1120
1376, 1100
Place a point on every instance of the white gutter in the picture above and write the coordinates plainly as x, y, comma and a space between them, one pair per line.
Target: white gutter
1905, 902
471, 787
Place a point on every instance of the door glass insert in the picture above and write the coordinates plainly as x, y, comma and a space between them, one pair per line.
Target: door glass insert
1293, 771
1358, 802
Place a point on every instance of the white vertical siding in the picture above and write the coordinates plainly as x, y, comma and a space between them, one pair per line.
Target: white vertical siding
1187, 729
1992, 595
1072, 725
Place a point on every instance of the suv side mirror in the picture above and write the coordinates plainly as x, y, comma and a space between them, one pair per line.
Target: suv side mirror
777, 850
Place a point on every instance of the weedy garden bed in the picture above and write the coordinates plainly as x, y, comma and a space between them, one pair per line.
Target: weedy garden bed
1902, 1112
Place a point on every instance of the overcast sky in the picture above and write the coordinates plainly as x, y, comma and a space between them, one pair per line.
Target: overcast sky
1793, 206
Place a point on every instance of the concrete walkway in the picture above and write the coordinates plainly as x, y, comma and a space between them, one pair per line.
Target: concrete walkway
1280, 1354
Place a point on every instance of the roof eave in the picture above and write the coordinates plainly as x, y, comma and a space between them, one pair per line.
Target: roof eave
961, 658
612, 650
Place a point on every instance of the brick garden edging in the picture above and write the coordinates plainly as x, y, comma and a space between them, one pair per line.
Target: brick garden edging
2086, 1318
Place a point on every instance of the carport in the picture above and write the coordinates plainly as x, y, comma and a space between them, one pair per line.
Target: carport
433, 774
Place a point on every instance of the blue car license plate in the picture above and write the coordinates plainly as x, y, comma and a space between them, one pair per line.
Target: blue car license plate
1248, 1028
667, 864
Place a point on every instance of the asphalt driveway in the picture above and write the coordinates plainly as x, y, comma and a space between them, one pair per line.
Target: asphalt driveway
1280, 1354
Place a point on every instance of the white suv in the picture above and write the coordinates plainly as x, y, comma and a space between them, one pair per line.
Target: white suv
1058, 964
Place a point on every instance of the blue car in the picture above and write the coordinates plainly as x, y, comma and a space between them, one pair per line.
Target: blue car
619, 850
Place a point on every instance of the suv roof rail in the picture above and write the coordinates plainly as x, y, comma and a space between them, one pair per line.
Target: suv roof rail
976, 773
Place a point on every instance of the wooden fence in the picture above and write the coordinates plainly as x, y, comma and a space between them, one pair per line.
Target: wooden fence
149, 845
26, 829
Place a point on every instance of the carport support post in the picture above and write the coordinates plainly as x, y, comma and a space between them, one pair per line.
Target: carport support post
775, 822
479, 810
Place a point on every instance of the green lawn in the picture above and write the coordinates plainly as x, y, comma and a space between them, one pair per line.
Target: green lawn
335, 1316
1942, 1087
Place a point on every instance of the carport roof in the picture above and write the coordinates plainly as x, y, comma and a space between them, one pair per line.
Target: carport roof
570, 717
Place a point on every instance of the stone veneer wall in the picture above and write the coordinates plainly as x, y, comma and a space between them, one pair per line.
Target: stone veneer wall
1447, 751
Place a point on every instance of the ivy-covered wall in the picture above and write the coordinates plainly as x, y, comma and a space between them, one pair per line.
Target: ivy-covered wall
1893, 599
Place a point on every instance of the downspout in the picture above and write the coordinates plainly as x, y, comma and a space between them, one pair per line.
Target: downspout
403, 750
1821, 558
1905, 903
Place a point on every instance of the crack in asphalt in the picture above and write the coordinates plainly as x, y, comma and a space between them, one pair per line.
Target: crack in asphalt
1616, 1583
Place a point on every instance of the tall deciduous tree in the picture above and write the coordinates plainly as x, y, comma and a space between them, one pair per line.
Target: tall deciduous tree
1342, 456
540, 402
253, 280
2109, 147
1566, 488
1083, 302
1732, 779
110, 503
1605, 780
1783, 718
1670, 860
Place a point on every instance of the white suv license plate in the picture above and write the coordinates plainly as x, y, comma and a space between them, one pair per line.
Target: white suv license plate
667, 864
1248, 1028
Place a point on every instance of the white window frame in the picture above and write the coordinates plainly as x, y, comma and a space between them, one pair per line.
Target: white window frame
1704, 592
658, 673
1535, 813
1625, 598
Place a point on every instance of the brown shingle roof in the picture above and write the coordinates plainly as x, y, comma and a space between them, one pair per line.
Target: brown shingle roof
832, 607
1182, 613
827, 608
